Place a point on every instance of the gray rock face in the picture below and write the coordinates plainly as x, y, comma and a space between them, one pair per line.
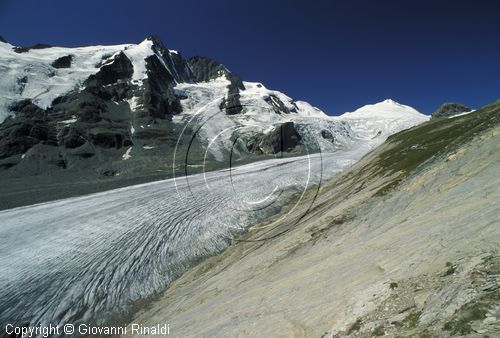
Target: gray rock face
278, 106
74, 120
450, 109
283, 138
91, 122
231, 104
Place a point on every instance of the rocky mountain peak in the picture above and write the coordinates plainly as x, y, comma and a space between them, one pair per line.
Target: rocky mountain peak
390, 101
449, 109
157, 44
2, 39
205, 69
20, 50
155, 39
172, 60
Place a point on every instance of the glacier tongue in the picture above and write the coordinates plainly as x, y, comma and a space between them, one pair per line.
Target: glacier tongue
88, 259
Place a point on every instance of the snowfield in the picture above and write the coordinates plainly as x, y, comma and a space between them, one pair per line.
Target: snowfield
42, 82
29, 75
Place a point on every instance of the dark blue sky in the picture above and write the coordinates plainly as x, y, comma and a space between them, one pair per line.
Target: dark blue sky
338, 55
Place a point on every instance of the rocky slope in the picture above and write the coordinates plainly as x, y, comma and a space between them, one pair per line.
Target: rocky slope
405, 243
78, 120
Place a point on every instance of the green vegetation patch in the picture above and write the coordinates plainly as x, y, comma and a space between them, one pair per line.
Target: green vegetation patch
354, 327
451, 269
476, 310
461, 324
379, 331
412, 320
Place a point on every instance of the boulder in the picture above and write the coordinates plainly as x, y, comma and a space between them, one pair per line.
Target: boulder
283, 138
327, 135
63, 62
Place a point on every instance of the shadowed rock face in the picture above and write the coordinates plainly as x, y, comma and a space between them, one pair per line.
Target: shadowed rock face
17, 135
231, 104
119, 69
2, 39
450, 109
158, 96
173, 61
63, 62
206, 69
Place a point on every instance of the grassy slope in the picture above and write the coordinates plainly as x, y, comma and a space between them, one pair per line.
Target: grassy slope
411, 148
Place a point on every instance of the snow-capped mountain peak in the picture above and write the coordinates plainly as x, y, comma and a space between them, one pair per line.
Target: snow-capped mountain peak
65, 102
375, 122
387, 109
391, 101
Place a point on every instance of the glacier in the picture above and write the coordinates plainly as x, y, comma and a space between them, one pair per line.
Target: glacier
88, 259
